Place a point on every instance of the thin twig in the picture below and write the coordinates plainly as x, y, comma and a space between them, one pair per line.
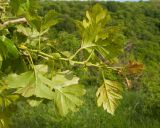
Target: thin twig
74, 62
15, 21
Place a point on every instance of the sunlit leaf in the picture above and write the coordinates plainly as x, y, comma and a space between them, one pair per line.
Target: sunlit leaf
43, 69
34, 102
98, 35
109, 95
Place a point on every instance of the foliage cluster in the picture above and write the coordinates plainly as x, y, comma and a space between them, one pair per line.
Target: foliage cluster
141, 26
54, 58
35, 69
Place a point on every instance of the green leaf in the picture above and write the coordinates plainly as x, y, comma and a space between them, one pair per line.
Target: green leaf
67, 93
6, 98
43, 69
56, 56
31, 84
109, 95
31, 33
34, 102
98, 35
49, 20
67, 98
22, 7
62, 80
7, 48
19, 7
43, 24
35, 22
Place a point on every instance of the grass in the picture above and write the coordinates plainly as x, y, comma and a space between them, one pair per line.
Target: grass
128, 115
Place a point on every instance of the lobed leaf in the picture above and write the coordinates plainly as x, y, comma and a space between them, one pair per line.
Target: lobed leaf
50, 19
30, 84
109, 95
63, 88
67, 93
97, 35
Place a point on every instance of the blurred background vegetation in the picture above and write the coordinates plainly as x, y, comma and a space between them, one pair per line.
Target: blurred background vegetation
140, 108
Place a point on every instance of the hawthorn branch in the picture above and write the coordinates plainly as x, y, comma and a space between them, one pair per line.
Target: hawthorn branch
75, 62
15, 21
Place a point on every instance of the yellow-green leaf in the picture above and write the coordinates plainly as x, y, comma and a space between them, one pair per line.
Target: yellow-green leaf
109, 95
98, 35
34, 102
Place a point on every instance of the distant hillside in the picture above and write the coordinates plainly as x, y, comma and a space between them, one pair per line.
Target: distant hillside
140, 23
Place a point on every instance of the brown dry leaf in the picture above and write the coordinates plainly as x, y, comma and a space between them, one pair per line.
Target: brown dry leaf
134, 67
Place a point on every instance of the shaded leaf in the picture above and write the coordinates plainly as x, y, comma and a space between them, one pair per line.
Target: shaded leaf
62, 80
7, 48
35, 22
49, 20
6, 98
30, 84
43, 24
67, 98
67, 93
21, 7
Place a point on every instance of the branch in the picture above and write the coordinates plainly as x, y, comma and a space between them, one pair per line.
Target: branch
76, 53
65, 59
15, 21
75, 62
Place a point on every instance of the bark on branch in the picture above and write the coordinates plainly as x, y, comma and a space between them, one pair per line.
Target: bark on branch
15, 21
